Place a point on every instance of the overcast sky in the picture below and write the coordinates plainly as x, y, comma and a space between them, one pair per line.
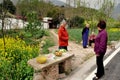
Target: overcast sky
90, 3
93, 3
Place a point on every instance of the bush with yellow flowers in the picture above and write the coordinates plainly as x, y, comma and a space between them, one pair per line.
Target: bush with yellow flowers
13, 60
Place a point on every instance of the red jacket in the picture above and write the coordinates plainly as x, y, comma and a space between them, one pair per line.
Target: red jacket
63, 36
92, 37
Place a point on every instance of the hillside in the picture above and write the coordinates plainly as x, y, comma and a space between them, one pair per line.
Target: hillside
115, 13
44, 8
86, 13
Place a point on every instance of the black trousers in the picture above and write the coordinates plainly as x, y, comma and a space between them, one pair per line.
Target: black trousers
100, 66
91, 41
63, 47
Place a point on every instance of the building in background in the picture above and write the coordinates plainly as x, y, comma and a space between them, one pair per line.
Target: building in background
47, 23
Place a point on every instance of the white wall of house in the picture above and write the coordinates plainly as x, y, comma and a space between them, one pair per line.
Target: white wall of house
11, 23
46, 22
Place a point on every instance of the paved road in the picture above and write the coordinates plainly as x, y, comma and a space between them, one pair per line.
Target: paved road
87, 69
112, 69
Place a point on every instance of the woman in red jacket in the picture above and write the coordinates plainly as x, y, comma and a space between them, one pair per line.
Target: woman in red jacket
63, 36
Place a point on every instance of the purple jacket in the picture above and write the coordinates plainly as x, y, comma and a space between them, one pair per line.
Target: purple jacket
101, 42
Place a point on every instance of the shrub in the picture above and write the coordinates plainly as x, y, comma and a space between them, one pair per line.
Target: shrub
34, 23
13, 61
76, 21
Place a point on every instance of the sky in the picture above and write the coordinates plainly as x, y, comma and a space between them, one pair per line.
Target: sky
93, 3
90, 3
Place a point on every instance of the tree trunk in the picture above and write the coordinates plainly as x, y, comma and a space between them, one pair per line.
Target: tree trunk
3, 32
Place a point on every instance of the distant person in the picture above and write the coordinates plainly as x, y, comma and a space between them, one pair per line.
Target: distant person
85, 34
92, 39
63, 36
100, 48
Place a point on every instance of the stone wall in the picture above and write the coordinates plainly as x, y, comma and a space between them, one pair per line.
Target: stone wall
52, 69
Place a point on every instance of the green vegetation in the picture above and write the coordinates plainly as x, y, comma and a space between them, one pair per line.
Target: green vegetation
48, 44
18, 51
76, 22
76, 34
113, 34
33, 23
8, 6
13, 61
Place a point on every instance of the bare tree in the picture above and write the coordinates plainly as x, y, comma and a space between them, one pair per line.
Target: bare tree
78, 3
107, 7
68, 3
74, 3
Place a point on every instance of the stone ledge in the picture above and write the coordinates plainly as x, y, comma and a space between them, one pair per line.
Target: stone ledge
53, 68
38, 66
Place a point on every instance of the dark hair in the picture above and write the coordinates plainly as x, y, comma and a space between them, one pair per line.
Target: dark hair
101, 24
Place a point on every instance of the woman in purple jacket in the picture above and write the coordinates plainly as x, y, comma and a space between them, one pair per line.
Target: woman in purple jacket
100, 48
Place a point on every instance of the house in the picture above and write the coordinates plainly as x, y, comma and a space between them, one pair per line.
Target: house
12, 23
47, 23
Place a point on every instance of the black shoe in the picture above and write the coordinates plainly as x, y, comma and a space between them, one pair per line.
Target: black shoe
95, 78
96, 74
85, 47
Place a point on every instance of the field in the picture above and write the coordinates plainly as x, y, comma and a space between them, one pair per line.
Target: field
76, 34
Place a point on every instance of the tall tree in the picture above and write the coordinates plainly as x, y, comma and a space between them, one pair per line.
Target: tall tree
8, 5
68, 3
3, 15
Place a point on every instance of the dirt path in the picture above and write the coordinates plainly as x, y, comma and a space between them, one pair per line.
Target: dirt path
81, 54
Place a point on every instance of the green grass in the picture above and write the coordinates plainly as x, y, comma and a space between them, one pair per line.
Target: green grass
113, 36
76, 35
48, 44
